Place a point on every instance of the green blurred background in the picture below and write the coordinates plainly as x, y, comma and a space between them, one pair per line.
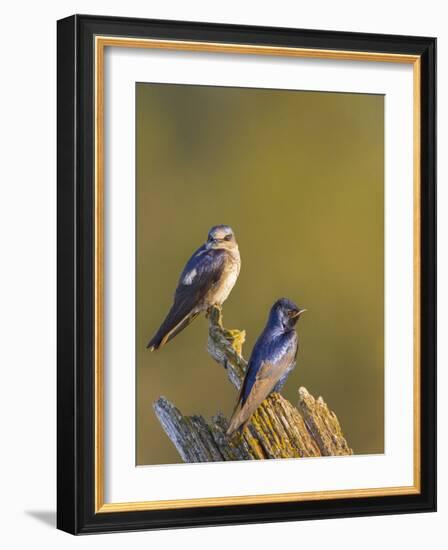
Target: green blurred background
299, 177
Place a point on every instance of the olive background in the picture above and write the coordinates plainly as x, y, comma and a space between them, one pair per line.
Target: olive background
299, 176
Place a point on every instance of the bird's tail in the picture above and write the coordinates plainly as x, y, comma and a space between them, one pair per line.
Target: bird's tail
240, 419
243, 412
235, 423
172, 325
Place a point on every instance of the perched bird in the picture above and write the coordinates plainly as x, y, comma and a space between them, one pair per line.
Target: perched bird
206, 280
273, 358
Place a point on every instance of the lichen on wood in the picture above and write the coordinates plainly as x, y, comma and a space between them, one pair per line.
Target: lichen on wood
278, 429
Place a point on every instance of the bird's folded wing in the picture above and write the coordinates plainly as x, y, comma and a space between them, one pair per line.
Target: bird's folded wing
203, 270
268, 374
260, 389
274, 369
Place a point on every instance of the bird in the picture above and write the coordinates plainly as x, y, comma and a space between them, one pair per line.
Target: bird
206, 281
272, 360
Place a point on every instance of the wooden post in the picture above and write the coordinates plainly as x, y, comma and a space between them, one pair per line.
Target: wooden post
276, 430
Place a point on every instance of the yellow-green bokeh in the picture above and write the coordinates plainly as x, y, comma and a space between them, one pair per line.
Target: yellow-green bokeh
299, 177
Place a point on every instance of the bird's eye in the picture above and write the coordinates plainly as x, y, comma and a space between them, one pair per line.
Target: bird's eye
228, 237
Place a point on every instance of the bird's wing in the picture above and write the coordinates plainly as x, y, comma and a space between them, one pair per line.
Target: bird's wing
202, 271
261, 378
260, 389
278, 362
270, 359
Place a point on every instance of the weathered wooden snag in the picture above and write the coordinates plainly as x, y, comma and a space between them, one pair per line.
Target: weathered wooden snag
276, 430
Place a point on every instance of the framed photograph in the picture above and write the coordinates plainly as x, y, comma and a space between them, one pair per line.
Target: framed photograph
246, 274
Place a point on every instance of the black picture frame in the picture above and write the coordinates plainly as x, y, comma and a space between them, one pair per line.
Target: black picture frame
75, 225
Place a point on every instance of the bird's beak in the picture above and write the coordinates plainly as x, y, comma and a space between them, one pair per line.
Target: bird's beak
298, 313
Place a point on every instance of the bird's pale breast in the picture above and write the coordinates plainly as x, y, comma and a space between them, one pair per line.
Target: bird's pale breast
221, 290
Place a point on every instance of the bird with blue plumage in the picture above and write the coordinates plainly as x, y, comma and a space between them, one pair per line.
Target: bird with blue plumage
207, 280
272, 360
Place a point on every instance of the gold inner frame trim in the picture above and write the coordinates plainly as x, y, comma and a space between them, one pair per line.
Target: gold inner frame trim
101, 42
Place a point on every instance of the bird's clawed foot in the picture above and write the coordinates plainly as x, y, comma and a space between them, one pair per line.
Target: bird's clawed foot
235, 337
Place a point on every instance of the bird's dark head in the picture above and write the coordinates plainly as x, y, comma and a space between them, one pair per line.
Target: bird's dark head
221, 236
285, 314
